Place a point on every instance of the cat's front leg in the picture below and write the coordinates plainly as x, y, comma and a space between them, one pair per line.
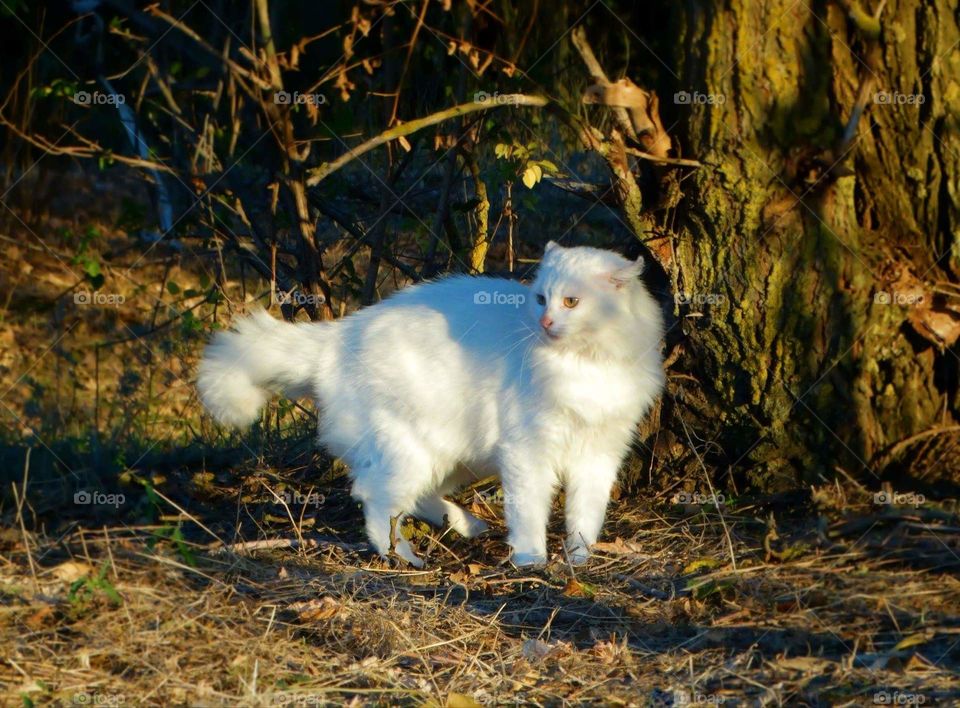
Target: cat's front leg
589, 480
527, 496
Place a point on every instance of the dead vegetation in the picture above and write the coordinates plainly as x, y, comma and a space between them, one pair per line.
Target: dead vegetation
275, 600
235, 571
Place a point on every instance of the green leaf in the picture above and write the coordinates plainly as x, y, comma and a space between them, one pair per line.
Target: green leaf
173, 288
73, 593
529, 177
185, 551
911, 641
704, 588
702, 564
91, 267
106, 587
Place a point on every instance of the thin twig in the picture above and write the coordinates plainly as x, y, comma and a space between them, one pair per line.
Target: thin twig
318, 174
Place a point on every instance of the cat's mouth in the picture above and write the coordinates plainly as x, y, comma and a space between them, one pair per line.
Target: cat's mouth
552, 336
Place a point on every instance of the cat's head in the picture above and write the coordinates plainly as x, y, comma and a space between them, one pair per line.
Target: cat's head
584, 297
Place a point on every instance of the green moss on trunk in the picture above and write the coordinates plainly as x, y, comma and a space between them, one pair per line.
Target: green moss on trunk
803, 369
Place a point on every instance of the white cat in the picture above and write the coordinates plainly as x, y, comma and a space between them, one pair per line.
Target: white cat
449, 381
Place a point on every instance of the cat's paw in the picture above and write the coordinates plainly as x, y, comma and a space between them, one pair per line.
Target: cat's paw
403, 551
578, 555
470, 526
524, 559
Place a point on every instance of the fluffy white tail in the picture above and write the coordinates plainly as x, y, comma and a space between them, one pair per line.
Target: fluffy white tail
261, 356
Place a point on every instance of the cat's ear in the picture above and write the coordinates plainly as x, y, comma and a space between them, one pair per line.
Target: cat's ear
550, 246
627, 274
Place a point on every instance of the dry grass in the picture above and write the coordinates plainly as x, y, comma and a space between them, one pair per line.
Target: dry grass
816, 612
186, 598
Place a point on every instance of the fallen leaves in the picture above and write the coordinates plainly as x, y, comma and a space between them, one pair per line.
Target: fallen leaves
579, 588
70, 571
912, 641
805, 664
537, 650
319, 610
618, 547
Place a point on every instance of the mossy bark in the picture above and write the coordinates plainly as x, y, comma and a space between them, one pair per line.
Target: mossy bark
803, 367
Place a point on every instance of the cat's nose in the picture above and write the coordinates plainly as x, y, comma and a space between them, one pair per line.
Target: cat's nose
545, 321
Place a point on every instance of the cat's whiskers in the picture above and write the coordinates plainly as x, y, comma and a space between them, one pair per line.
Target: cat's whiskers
523, 361
519, 342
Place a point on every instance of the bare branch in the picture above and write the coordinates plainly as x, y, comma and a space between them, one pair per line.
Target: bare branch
319, 174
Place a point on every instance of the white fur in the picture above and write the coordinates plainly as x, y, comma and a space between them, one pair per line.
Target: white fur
435, 387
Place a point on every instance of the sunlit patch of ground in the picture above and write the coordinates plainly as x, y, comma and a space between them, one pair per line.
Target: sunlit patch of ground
252, 587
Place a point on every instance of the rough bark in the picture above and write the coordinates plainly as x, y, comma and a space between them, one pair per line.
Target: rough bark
802, 365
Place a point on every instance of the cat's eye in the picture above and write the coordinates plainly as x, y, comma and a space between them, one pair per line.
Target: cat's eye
541, 300
571, 302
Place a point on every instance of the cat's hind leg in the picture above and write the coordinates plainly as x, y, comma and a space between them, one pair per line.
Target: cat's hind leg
388, 490
378, 519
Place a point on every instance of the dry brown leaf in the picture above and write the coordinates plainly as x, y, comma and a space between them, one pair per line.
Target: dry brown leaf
72, 570
461, 700
458, 577
938, 327
623, 93
911, 641
805, 664
345, 85
618, 547
316, 610
535, 650
578, 588
38, 619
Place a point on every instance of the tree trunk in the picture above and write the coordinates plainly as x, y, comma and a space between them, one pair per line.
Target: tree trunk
822, 341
